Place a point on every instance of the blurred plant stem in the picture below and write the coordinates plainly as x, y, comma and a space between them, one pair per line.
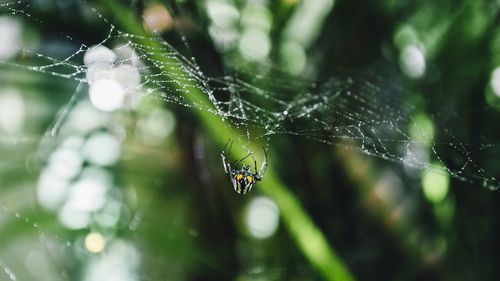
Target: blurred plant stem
306, 234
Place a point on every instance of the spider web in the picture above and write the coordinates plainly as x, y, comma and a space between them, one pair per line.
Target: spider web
355, 112
359, 112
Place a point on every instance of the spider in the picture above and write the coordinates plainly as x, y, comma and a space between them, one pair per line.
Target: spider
243, 180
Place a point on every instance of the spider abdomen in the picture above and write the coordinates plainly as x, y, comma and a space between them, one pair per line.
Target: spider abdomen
243, 183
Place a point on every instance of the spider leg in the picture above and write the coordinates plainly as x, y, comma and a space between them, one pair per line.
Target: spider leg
227, 165
255, 163
236, 163
264, 165
230, 145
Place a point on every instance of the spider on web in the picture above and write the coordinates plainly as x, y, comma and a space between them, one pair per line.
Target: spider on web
243, 179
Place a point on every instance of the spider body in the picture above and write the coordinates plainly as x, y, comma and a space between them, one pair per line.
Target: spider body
243, 179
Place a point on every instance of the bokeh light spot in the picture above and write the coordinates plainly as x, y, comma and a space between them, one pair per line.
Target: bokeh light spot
52, 190
12, 111
223, 14
157, 18
495, 81
107, 95
10, 36
98, 54
99, 71
109, 215
256, 16
412, 61
224, 39
94, 242
155, 127
73, 218
128, 76
102, 149
119, 262
405, 36
435, 184
293, 56
66, 162
422, 128
262, 217
254, 45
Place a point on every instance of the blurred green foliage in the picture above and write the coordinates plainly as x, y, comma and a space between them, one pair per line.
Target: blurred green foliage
169, 210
